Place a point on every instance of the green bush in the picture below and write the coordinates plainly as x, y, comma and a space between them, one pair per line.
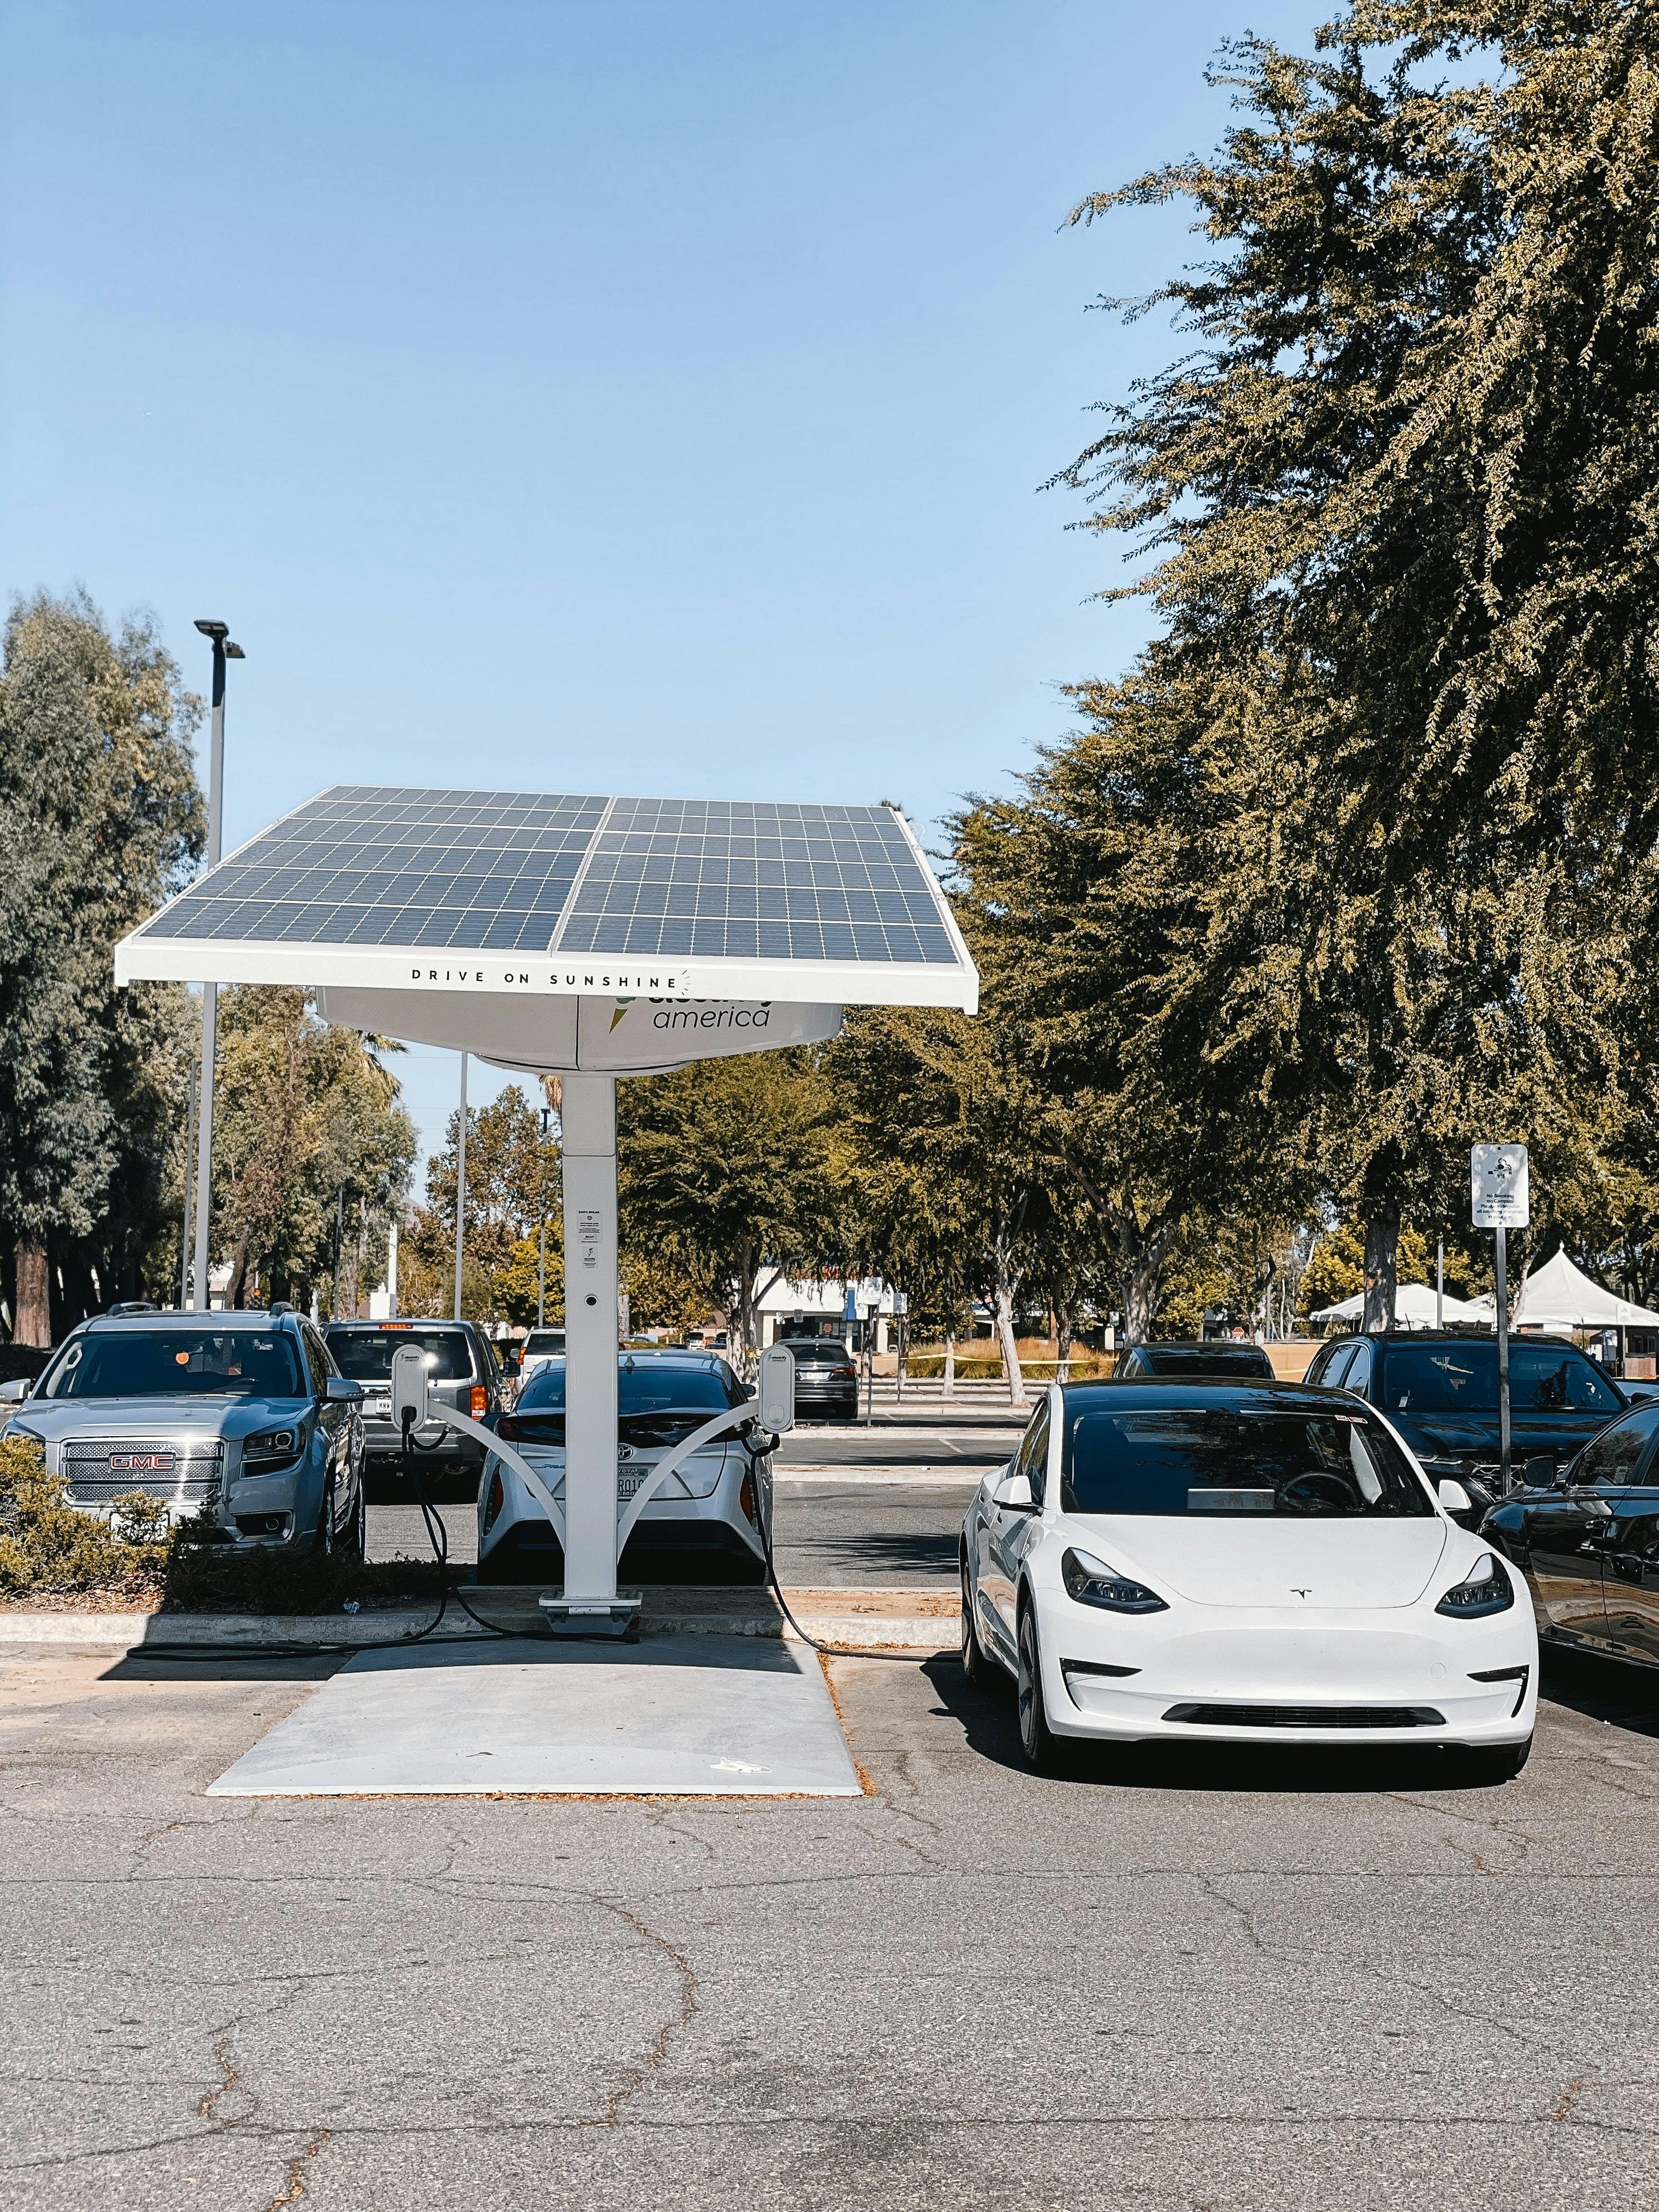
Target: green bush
48, 1549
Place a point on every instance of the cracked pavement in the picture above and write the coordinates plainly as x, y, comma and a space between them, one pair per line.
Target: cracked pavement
1171, 1980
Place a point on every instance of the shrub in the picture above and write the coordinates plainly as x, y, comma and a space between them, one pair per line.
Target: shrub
47, 1548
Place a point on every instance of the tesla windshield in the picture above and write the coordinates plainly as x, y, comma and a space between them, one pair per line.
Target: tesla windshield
179, 1362
1459, 1377
1231, 1459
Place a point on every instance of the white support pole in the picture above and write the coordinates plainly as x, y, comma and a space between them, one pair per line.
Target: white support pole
588, 1121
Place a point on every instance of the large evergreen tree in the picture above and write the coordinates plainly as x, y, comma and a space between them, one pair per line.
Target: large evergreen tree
99, 817
1399, 497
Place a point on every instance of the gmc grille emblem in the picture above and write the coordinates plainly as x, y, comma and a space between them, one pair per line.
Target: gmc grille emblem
133, 1463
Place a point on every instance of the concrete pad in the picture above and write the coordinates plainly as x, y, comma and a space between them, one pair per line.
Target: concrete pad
686, 1716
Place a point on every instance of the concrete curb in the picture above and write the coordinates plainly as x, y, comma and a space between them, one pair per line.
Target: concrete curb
133, 1632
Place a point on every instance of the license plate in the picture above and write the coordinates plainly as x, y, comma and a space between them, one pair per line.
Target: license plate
628, 1482
378, 1406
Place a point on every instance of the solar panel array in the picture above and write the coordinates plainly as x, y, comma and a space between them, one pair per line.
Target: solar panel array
519, 873
697, 878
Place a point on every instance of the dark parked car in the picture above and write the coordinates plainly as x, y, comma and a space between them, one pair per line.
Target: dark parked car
826, 1377
1226, 1360
1588, 1541
1439, 1387
461, 1369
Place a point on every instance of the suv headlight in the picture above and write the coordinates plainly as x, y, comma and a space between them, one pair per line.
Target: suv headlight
271, 1449
1488, 1589
1089, 1580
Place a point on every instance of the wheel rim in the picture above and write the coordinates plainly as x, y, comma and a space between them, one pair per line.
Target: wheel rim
1029, 1690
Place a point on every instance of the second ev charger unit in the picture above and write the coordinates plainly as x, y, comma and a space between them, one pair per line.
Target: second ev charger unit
586, 938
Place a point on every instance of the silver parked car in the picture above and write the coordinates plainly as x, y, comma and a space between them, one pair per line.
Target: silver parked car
241, 1417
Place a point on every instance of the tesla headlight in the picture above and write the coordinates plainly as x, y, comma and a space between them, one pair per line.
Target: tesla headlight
270, 1448
1488, 1589
1089, 1580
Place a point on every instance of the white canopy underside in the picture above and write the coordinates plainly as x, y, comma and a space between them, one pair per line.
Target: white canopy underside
598, 1036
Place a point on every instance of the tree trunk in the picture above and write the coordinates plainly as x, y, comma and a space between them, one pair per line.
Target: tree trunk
236, 1288
1063, 1339
1381, 1265
1141, 1262
1012, 1370
34, 1323
1007, 1287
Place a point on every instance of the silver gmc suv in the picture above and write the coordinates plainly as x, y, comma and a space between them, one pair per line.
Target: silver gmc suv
242, 1416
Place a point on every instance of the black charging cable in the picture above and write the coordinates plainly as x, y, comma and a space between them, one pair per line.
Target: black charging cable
437, 1536
756, 1453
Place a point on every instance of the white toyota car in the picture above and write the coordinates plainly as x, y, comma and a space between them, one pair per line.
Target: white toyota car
1260, 1562
709, 1522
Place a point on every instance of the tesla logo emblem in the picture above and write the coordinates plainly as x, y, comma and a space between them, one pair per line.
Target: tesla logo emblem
1300, 1593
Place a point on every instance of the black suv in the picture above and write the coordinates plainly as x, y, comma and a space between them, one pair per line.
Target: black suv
1439, 1387
462, 1371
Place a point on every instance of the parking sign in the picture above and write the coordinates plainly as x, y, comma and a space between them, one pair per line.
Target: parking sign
1498, 1196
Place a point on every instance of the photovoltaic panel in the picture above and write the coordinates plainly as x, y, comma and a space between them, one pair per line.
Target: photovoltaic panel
511, 872
697, 878
452, 870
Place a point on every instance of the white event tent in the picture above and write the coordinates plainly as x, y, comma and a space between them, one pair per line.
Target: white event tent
1558, 1295
1413, 1307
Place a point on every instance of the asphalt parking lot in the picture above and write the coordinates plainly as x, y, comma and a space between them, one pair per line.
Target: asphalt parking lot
1186, 1982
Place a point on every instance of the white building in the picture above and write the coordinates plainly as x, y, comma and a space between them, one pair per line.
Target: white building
783, 1304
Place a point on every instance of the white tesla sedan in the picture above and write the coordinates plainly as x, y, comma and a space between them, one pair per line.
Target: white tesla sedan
1244, 1564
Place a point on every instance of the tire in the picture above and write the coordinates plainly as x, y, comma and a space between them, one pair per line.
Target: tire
1037, 1741
977, 1664
1490, 1766
355, 1546
324, 1543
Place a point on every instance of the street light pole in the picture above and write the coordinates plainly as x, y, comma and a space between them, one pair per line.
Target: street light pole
541, 1264
223, 650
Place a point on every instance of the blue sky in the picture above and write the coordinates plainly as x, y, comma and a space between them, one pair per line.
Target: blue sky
626, 396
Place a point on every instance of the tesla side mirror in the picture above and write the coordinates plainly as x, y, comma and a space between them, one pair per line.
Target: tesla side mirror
15, 1392
1453, 1497
1543, 1471
1013, 1494
341, 1390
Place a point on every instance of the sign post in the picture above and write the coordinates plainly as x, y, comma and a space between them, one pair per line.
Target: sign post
1499, 1200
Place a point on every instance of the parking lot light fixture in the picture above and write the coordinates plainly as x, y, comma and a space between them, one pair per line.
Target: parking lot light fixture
223, 650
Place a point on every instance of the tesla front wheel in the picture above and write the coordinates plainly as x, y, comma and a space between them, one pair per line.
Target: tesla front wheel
1036, 1737
977, 1664
1493, 1764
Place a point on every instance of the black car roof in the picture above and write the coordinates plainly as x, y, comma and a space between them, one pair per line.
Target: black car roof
1201, 1390
382, 1328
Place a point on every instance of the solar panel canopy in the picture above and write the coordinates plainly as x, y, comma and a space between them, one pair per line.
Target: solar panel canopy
417, 890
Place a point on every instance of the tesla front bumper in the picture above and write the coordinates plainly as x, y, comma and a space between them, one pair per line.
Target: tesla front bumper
1404, 1674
